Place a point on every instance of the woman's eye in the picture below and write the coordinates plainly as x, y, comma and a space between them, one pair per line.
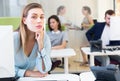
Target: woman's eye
41, 17
34, 17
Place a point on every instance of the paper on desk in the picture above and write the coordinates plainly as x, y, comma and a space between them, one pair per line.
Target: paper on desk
38, 79
47, 78
53, 77
115, 28
50, 80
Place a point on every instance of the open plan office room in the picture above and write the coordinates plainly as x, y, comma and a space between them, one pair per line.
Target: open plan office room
59, 40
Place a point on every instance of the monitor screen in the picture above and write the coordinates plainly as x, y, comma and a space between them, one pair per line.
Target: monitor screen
6, 52
115, 28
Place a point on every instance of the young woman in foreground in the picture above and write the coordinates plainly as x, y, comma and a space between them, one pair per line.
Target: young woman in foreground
32, 45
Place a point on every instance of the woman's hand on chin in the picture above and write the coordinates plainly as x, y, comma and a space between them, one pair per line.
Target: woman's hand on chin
40, 37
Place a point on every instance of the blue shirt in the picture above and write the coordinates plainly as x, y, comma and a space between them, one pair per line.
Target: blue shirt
23, 63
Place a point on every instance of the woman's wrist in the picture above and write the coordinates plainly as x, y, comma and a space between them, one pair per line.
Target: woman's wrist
41, 45
28, 73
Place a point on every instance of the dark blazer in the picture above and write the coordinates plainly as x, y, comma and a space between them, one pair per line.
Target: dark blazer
96, 31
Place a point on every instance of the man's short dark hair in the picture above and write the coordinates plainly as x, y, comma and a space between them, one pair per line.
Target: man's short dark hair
109, 12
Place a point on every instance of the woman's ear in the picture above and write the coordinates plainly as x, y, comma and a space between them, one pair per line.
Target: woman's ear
24, 20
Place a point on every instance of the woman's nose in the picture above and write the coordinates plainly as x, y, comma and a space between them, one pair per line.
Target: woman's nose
38, 20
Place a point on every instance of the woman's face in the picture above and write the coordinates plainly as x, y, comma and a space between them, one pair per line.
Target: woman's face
53, 24
34, 19
63, 11
85, 12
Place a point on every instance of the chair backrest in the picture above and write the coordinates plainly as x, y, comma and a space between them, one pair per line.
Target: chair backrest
14, 21
95, 21
63, 27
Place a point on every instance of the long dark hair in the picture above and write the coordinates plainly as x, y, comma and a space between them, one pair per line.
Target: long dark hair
57, 19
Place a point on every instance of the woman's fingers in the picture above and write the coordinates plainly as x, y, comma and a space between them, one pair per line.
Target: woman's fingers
38, 74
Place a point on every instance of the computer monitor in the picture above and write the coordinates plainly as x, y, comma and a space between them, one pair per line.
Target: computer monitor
115, 30
7, 68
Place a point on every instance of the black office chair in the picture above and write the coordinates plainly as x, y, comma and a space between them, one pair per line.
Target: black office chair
95, 21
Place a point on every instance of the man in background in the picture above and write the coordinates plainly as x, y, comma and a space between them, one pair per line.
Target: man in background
102, 31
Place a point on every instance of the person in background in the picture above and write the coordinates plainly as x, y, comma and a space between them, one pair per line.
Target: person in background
32, 46
86, 24
102, 31
61, 10
87, 20
58, 37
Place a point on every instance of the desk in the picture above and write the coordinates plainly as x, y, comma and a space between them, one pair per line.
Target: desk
53, 77
87, 51
85, 76
63, 53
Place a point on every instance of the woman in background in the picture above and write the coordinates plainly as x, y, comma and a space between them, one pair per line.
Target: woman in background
58, 37
61, 10
86, 24
87, 20
32, 46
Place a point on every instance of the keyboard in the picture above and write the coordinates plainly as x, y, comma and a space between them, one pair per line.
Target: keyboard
112, 48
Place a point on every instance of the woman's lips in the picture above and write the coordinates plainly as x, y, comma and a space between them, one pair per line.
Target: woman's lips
39, 26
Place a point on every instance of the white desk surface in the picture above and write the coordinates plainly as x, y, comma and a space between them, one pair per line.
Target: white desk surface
87, 76
87, 51
63, 53
60, 77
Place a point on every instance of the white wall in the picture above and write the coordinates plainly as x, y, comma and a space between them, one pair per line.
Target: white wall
15, 9
4, 8
103, 5
16, 6
73, 8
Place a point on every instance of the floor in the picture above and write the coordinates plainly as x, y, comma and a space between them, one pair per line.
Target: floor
74, 64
